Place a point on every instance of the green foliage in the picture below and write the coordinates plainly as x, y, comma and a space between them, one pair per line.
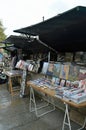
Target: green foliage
2, 34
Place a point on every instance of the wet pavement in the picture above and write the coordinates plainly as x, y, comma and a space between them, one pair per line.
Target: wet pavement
15, 115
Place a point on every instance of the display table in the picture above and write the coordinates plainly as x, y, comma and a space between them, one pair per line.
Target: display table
66, 116
51, 93
16, 75
33, 101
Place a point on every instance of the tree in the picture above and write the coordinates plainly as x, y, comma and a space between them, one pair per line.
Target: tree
2, 34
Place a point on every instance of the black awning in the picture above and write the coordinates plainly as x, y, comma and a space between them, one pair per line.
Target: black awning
64, 32
27, 44
61, 21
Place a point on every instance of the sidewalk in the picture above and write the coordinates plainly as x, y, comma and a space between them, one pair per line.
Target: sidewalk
15, 115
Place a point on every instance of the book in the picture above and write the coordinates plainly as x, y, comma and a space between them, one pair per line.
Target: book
79, 98
64, 71
56, 70
72, 91
50, 69
73, 72
62, 83
68, 83
82, 84
82, 74
45, 67
53, 80
57, 81
30, 67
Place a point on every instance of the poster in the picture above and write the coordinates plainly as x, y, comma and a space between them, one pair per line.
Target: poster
73, 72
64, 71
50, 69
57, 69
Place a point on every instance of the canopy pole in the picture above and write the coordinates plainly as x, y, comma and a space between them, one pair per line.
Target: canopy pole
49, 56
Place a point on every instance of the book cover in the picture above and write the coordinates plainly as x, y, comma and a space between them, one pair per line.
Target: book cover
53, 80
45, 67
82, 74
82, 84
64, 71
57, 81
62, 83
56, 70
50, 69
73, 72
68, 83
30, 67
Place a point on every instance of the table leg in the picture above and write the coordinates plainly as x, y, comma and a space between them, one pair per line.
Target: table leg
10, 85
84, 125
32, 100
66, 117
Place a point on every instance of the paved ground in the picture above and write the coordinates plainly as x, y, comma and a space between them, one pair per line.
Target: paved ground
15, 115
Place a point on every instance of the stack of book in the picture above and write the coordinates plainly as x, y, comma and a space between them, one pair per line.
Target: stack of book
78, 98
72, 92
